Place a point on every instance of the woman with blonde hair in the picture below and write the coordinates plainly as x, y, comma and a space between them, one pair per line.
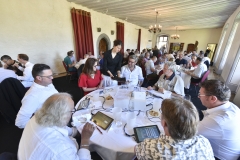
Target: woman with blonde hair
179, 120
91, 78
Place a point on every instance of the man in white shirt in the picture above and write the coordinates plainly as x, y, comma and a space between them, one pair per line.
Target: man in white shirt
41, 89
46, 136
6, 73
27, 78
131, 72
220, 124
169, 80
82, 61
198, 72
149, 65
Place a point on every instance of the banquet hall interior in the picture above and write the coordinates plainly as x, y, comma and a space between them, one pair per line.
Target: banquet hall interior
46, 30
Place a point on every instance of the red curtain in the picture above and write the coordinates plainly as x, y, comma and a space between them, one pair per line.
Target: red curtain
139, 40
120, 34
82, 27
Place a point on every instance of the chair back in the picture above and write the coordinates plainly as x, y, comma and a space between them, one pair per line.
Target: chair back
65, 66
79, 71
207, 64
160, 73
11, 93
205, 76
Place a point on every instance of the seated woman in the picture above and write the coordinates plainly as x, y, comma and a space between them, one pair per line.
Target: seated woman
91, 78
169, 81
179, 120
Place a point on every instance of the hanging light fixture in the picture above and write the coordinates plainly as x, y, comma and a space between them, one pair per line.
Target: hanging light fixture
175, 36
155, 28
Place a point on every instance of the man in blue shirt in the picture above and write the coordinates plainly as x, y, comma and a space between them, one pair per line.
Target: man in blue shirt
70, 64
180, 60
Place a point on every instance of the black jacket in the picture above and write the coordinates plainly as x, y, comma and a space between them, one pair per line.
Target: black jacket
11, 93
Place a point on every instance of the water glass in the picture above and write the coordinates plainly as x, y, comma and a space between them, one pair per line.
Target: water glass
131, 105
117, 114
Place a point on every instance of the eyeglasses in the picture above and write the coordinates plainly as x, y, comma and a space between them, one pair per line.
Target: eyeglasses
49, 77
202, 95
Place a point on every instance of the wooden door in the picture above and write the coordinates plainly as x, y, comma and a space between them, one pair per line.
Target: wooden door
103, 45
190, 48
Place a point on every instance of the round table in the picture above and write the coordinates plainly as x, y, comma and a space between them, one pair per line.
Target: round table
113, 144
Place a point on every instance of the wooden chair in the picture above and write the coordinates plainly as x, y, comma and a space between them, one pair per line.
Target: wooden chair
71, 73
204, 77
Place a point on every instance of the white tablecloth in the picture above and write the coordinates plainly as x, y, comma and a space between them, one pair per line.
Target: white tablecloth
113, 144
186, 78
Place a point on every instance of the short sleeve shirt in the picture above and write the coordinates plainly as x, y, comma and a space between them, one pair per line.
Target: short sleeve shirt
87, 81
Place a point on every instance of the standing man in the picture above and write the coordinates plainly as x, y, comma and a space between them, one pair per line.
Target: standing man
27, 78
220, 124
131, 72
41, 89
68, 61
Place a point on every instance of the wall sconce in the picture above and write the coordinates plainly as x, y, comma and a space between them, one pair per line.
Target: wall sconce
99, 29
112, 32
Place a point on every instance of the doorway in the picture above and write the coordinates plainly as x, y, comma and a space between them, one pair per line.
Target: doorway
103, 47
212, 47
190, 48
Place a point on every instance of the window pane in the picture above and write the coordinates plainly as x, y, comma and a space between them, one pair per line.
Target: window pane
165, 39
161, 39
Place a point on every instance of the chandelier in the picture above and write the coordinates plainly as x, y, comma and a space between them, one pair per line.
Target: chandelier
175, 36
155, 28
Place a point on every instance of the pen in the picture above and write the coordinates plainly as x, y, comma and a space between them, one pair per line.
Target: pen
99, 130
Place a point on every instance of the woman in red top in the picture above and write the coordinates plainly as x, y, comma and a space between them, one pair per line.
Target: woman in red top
91, 78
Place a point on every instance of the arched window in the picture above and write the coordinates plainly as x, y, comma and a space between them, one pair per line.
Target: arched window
162, 40
220, 43
229, 42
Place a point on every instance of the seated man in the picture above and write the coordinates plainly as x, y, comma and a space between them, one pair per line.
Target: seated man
82, 61
27, 78
169, 80
41, 89
46, 136
132, 72
180, 60
149, 65
179, 119
6, 73
163, 59
198, 72
220, 124
90, 54
9, 64
147, 57
67, 60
